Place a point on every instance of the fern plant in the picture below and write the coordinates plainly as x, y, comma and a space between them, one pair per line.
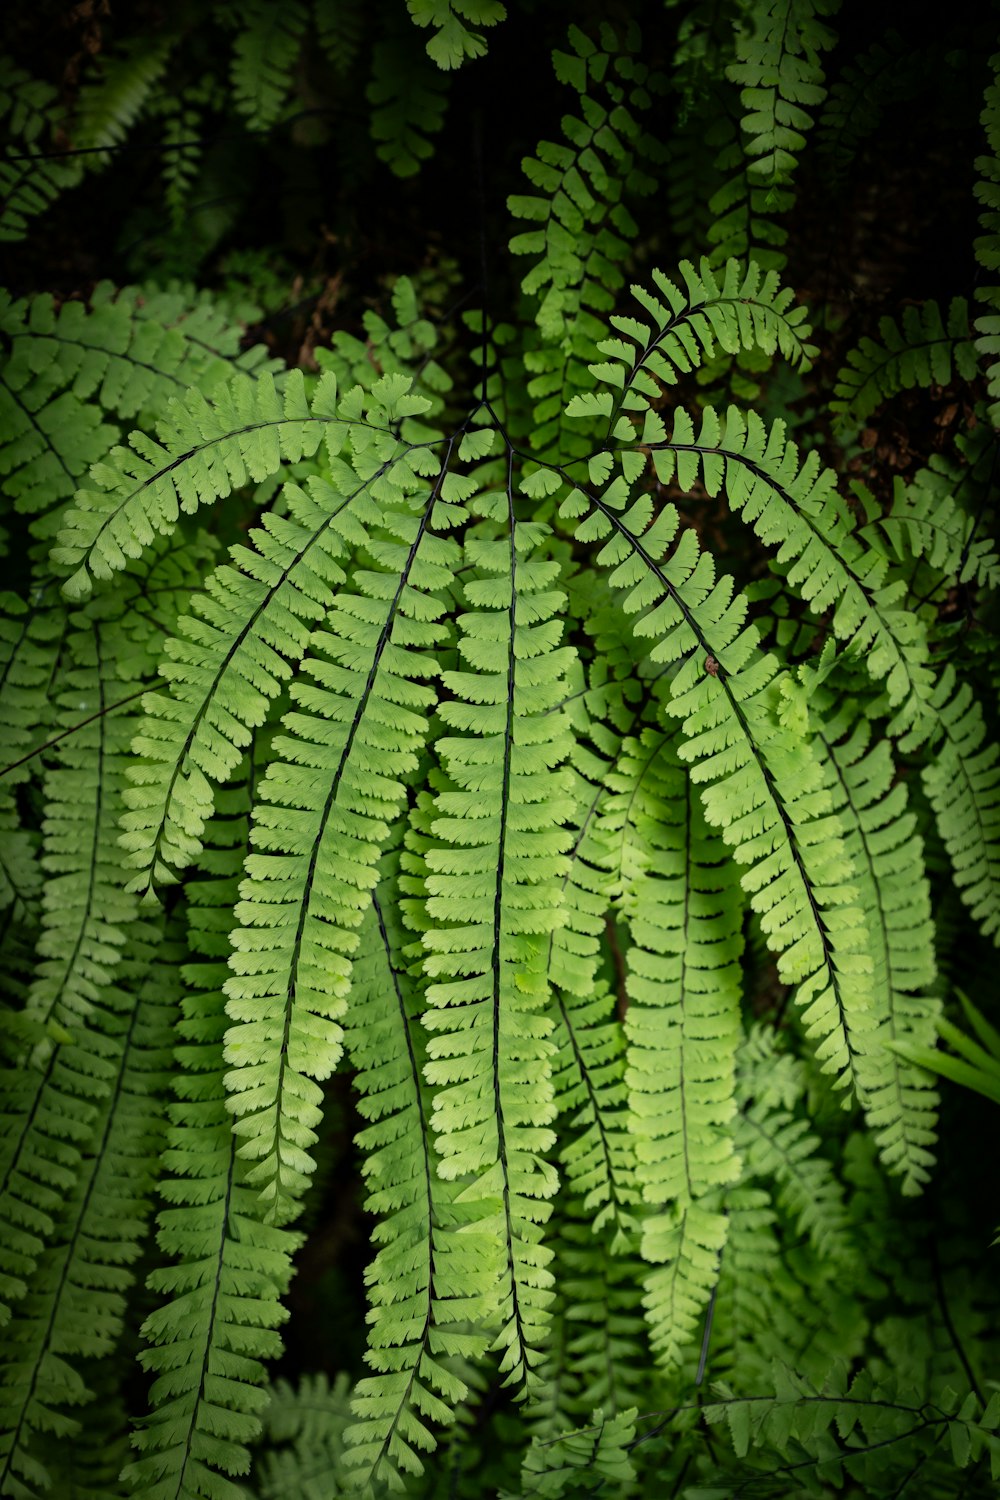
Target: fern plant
499, 788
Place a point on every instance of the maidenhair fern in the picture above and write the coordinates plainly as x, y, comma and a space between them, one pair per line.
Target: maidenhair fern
499, 787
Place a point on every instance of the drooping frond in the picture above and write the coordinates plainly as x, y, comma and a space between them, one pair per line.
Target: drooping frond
585, 225
796, 507
777, 68
408, 103
336, 784
782, 1147
31, 639
589, 1083
75, 1303
339, 26
685, 1243
225, 1270
684, 910
589, 1069
304, 1429
452, 39
265, 51
207, 448
922, 349
87, 922
493, 894
86, 913
895, 897
413, 1342
963, 786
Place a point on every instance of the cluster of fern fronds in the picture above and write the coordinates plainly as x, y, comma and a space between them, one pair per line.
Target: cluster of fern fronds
519, 786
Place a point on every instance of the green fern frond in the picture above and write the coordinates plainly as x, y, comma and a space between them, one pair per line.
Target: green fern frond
227, 663
895, 897
588, 1080
207, 449
779, 1146
408, 101
325, 807
265, 52
730, 311
453, 41
599, 1450
922, 350
925, 521
339, 27
31, 178
110, 105
685, 1243
586, 225
963, 787
588, 1069
225, 1271
51, 1105
414, 1340
31, 638
777, 68
50, 437
493, 896
728, 696
684, 910
86, 913
304, 1429
76, 1301
131, 349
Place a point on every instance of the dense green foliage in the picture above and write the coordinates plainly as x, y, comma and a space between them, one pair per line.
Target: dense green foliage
499, 777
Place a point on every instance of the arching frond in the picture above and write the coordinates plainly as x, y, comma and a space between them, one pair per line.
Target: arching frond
923, 349
207, 449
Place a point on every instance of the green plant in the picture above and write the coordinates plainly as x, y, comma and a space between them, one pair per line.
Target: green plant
530, 739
